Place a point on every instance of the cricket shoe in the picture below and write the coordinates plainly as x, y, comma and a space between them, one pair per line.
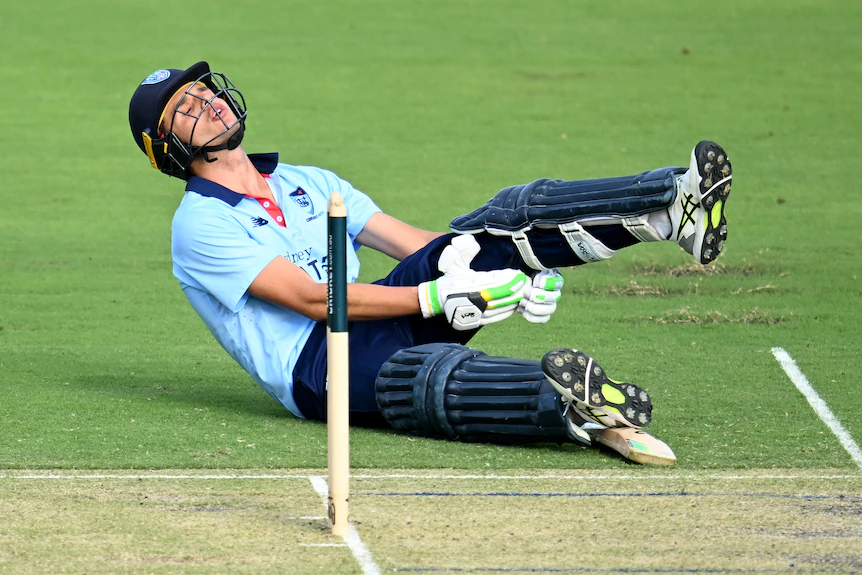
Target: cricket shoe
594, 396
576, 424
582, 430
697, 214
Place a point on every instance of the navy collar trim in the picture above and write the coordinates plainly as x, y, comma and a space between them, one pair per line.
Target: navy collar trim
264, 163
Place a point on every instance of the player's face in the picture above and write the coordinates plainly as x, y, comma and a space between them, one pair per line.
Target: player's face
198, 117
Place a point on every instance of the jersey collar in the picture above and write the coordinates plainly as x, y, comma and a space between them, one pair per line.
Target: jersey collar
265, 164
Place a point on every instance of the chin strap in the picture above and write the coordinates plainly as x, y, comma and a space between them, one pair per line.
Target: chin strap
232, 143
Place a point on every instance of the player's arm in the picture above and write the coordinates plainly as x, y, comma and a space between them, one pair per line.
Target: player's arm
286, 284
393, 237
469, 299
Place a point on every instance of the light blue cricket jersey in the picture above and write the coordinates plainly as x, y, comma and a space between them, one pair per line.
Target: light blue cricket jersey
222, 240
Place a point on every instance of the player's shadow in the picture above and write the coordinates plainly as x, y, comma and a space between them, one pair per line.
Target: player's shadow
236, 394
227, 393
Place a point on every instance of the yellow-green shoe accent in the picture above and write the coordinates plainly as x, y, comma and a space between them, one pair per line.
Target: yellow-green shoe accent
716, 213
613, 394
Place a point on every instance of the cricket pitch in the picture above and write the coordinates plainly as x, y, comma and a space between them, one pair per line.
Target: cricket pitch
444, 521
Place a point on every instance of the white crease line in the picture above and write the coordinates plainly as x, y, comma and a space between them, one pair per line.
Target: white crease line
801, 382
607, 476
144, 476
352, 539
692, 476
323, 544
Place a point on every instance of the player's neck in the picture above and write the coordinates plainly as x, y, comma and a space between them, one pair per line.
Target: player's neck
233, 169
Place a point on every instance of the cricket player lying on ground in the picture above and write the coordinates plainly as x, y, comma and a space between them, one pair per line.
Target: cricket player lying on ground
249, 245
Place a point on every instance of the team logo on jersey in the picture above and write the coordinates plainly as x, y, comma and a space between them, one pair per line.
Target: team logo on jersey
156, 77
303, 200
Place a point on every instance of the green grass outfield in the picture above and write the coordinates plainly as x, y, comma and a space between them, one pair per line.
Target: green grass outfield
430, 108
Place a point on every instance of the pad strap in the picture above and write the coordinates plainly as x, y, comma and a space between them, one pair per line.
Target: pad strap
526, 250
587, 247
640, 228
584, 244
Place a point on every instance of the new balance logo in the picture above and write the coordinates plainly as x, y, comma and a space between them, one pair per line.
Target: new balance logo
259, 222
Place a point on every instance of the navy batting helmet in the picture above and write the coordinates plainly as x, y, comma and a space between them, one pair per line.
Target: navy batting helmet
167, 152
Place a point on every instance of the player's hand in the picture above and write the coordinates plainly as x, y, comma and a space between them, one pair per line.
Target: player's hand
541, 296
473, 299
470, 299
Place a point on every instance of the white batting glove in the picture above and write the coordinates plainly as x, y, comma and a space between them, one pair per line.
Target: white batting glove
470, 299
541, 296
457, 256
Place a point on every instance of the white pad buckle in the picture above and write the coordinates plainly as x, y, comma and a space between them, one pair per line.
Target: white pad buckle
585, 245
640, 228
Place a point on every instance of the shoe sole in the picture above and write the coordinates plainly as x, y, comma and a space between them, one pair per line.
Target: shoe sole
579, 378
716, 173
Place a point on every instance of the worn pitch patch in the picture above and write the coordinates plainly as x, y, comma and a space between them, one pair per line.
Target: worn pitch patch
152, 525
682, 522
